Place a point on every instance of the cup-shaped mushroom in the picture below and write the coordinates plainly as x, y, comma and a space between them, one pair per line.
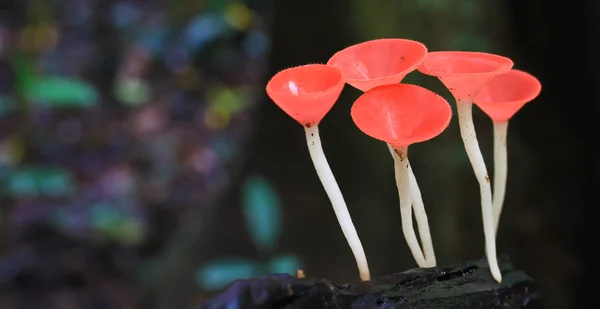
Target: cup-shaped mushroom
500, 99
464, 73
378, 62
383, 62
507, 93
401, 114
307, 92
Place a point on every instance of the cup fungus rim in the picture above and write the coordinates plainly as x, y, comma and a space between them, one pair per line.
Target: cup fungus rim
505, 63
314, 94
411, 68
421, 137
528, 98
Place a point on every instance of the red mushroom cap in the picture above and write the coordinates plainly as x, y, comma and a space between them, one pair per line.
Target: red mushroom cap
505, 94
464, 73
378, 62
307, 92
401, 114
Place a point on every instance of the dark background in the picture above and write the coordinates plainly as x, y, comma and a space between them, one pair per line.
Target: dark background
546, 226
551, 203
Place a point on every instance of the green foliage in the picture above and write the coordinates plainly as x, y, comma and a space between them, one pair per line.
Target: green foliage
61, 92
221, 272
262, 211
217, 5
104, 217
261, 208
39, 181
24, 72
283, 264
52, 91
132, 91
228, 100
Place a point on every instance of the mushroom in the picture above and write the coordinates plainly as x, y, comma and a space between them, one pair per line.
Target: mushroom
306, 93
401, 115
383, 62
464, 74
501, 99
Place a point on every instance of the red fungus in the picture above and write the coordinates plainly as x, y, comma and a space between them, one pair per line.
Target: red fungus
307, 93
378, 62
507, 93
501, 99
401, 115
464, 74
383, 62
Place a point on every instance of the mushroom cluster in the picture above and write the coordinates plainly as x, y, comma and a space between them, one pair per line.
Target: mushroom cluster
402, 114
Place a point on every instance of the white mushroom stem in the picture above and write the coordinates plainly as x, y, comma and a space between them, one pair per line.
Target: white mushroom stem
500, 168
422, 222
337, 200
467, 132
402, 168
420, 214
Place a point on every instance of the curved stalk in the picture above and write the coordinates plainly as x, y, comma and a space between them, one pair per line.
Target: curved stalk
402, 168
469, 137
420, 214
500, 169
422, 222
337, 200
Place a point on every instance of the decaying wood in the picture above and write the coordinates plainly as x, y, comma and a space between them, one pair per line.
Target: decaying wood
466, 285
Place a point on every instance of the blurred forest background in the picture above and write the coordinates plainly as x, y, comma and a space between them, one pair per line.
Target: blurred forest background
142, 165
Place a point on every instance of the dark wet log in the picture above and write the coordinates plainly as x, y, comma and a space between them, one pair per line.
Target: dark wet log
466, 285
